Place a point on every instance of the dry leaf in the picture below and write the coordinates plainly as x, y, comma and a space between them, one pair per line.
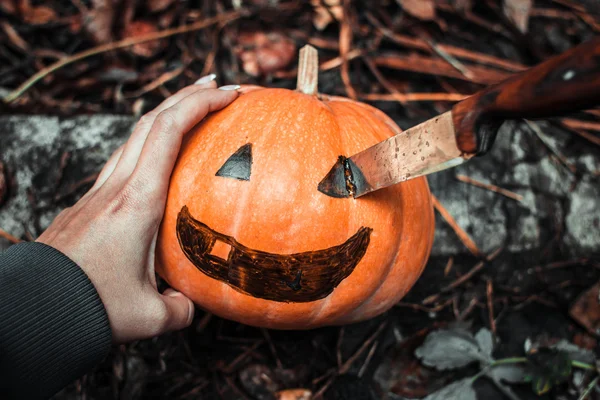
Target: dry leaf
39, 15
158, 5
324, 16
264, 53
422, 9
463, 6
8, 6
586, 309
142, 28
518, 12
165, 19
14, 36
98, 22
294, 394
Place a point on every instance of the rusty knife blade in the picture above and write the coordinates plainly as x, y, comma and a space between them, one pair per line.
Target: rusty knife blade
423, 149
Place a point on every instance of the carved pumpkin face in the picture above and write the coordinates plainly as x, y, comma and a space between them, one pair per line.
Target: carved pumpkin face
248, 236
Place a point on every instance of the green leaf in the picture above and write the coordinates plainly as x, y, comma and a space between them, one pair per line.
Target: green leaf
452, 348
541, 385
548, 367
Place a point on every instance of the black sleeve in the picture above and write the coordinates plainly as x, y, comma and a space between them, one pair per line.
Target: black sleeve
53, 325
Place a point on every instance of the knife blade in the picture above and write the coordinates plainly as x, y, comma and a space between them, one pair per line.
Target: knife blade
565, 83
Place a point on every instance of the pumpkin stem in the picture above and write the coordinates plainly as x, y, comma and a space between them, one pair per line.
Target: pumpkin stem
308, 70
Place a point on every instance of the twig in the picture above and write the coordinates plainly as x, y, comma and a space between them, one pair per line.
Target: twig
237, 390
462, 235
460, 67
408, 97
586, 135
272, 347
346, 366
162, 79
420, 44
338, 350
231, 367
395, 94
488, 186
465, 313
9, 237
490, 303
337, 61
368, 359
420, 307
552, 13
561, 264
478, 267
435, 66
538, 131
579, 124
589, 389
345, 46
325, 66
200, 326
75, 186
226, 17
449, 265
570, 4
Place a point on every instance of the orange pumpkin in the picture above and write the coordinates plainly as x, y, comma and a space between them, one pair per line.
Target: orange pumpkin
248, 236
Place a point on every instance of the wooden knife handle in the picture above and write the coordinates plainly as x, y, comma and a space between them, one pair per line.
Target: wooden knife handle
562, 84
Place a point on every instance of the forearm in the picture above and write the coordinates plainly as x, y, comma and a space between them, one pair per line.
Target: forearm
53, 325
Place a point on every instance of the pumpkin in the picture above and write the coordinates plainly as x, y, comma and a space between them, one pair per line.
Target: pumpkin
248, 236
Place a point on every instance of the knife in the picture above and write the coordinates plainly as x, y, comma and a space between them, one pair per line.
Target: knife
562, 84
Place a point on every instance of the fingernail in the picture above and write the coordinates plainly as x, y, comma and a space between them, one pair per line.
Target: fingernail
171, 293
230, 87
205, 79
192, 312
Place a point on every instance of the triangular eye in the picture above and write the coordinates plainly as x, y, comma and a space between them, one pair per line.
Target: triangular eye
239, 165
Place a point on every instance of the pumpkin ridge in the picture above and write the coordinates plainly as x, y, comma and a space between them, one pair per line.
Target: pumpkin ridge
358, 111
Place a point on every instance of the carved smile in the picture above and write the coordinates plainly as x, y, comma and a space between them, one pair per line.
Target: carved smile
300, 277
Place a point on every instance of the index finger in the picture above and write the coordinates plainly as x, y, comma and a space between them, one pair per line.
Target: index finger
161, 149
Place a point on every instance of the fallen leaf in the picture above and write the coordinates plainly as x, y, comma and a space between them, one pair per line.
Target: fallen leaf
575, 353
165, 19
294, 394
39, 15
142, 28
548, 367
98, 23
14, 36
459, 390
259, 381
485, 341
8, 6
422, 9
158, 5
518, 12
463, 6
511, 373
264, 53
450, 349
586, 310
325, 14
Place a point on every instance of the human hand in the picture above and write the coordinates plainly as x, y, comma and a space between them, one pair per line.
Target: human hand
111, 231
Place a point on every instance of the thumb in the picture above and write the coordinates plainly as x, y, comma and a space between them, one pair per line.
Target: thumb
180, 310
